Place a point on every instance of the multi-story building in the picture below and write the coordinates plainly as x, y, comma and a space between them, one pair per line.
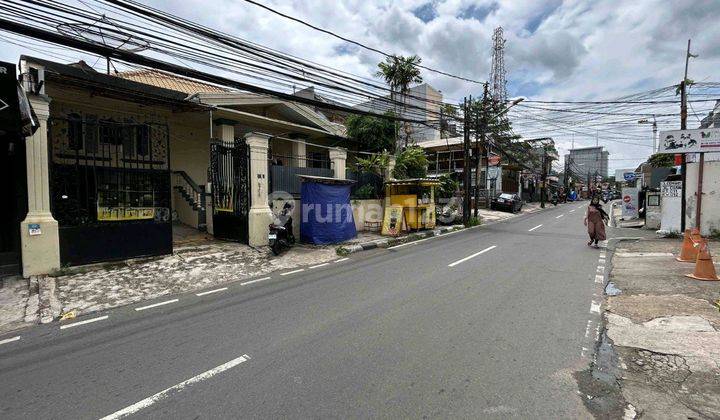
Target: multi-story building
587, 161
422, 103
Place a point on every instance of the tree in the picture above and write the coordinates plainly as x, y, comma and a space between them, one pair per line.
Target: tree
448, 186
399, 72
661, 160
411, 163
497, 129
377, 163
375, 133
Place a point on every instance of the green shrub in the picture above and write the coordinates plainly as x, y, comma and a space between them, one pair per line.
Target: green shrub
411, 163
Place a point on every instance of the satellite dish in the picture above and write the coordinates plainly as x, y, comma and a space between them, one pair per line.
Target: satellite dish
105, 33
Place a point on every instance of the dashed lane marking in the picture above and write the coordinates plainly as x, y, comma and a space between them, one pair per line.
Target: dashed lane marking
472, 256
599, 279
341, 260
10, 340
557, 217
595, 307
209, 292
299, 270
572, 210
87, 321
530, 230
319, 265
147, 402
155, 305
254, 281
601, 269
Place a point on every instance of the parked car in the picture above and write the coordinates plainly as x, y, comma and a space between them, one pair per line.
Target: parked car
507, 202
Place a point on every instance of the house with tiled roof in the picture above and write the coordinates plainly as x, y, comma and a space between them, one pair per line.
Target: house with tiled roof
121, 160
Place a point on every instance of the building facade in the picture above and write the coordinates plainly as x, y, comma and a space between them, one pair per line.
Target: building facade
588, 162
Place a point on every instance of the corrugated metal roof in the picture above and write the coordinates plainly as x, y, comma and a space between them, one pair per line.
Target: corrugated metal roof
170, 81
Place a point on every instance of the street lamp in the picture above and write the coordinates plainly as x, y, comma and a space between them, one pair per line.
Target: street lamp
654, 127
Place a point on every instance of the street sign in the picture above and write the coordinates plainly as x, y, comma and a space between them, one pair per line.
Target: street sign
690, 141
629, 176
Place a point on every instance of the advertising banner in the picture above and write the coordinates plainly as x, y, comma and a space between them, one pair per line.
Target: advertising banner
630, 203
690, 141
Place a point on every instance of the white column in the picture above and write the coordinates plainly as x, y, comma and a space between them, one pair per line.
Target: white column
338, 157
39, 231
299, 152
225, 132
260, 215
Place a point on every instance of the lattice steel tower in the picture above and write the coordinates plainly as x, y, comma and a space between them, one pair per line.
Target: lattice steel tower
498, 84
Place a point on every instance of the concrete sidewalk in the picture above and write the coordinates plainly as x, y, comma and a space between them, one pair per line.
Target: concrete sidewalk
665, 330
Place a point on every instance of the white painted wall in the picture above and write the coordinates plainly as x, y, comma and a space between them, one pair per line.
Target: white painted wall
710, 215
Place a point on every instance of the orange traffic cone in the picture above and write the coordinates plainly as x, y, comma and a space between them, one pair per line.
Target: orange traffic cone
704, 268
689, 251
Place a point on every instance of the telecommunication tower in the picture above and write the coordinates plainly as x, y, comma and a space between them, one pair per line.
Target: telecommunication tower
498, 84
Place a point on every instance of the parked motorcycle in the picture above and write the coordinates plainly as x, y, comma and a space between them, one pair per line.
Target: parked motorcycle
281, 235
554, 199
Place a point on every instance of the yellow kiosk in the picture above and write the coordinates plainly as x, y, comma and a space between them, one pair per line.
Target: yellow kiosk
411, 205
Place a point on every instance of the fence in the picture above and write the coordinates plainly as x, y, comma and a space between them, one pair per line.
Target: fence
286, 178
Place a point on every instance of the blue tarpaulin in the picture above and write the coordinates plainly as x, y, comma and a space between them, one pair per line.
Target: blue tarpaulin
326, 213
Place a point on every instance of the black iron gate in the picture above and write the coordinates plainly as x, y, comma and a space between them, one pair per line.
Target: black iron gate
229, 173
110, 188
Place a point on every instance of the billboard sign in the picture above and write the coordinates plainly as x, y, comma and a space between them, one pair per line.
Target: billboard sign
690, 141
630, 203
621, 173
629, 176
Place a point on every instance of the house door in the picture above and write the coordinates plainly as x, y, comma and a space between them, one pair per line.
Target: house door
229, 171
14, 190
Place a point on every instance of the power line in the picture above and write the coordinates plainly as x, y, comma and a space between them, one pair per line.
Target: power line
359, 44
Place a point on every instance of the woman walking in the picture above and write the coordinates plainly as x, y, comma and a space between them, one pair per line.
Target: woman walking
595, 218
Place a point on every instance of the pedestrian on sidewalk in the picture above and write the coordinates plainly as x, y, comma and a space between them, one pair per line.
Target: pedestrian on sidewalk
595, 218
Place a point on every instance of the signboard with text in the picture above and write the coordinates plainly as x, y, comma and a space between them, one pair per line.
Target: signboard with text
690, 141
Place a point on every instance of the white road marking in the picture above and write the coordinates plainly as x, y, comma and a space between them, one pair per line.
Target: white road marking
254, 281
292, 272
10, 340
320, 265
147, 402
472, 256
87, 321
599, 279
557, 217
341, 260
211, 291
530, 230
155, 305
572, 210
594, 307
601, 269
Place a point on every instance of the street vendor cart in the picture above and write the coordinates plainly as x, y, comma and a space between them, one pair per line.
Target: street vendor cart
414, 201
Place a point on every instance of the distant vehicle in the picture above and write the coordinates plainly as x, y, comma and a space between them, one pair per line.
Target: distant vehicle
507, 202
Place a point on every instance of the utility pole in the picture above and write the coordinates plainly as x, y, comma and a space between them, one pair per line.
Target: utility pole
466, 162
481, 126
543, 178
683, 126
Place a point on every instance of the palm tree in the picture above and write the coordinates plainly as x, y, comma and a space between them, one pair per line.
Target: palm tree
399, 72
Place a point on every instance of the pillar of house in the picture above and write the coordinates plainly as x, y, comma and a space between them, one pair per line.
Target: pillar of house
39, 231
225, 129
260, 215
299, 152
338, 157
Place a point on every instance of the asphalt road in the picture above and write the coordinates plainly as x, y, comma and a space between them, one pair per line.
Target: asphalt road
488, 322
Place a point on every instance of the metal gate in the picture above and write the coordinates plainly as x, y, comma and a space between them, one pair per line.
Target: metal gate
229, 173
110, 188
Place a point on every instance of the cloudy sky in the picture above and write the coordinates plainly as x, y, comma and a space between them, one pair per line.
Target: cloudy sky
556, 50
